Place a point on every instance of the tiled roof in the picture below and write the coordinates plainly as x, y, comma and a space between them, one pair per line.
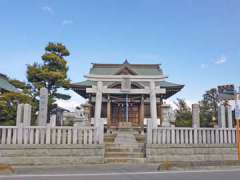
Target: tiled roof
164, 84
5, 85
139, 69
134, 69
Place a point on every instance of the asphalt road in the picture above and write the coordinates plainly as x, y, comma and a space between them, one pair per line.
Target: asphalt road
174, 175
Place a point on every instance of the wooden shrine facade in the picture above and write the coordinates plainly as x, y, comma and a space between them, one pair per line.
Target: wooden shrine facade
126, 92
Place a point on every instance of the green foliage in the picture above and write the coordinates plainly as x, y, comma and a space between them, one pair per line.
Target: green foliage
208, 108
24, 87
51, 74
8, 106
183, 114
9, 101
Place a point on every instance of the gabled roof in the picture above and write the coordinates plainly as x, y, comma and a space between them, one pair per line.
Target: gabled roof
133, 69
5, 85
164, 84
138, 69
171, 88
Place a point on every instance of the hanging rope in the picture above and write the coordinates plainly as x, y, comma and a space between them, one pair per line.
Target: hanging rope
123, 99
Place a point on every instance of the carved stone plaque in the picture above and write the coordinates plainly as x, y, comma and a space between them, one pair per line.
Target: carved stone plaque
126, 84
43, 107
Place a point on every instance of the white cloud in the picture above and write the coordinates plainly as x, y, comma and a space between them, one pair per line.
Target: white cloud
48, 9
67, 22
221, 60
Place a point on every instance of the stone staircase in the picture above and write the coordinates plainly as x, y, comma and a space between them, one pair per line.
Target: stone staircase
124, 149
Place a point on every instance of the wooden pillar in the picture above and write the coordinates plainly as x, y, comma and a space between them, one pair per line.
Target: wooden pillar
109, 112
142, 112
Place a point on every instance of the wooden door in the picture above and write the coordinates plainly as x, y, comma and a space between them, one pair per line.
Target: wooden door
133, 115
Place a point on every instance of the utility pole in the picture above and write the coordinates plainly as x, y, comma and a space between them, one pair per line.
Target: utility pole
237, 117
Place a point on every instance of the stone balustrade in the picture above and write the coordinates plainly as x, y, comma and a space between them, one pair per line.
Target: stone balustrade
48, 135
192, 136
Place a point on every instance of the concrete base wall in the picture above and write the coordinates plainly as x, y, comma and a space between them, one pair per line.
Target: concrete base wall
51, 154
160, 153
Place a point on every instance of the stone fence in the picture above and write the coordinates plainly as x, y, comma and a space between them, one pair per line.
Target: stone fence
34, 135
164, 135
190, 144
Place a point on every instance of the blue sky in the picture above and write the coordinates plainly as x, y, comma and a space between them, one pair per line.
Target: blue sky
197, 42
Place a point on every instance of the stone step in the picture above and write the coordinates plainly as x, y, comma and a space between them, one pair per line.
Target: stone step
109, 140
124, 160
125, 138
124, 154
124, 150
140, 138
138, 145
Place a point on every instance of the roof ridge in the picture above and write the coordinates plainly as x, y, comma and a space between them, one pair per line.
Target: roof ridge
117, 65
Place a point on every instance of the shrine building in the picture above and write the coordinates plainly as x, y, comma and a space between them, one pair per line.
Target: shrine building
126, 92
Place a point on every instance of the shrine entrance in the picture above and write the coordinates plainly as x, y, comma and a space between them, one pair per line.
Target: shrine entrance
126, 109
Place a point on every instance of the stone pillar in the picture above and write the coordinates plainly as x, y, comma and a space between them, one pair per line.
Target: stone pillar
229, 116
98, 107
150, 127
19, 118
165, 109
100, 131
153, 104
142, 112
43, 107
53, 119
98, 103
221, 116
109, 112
27, 115
195, 116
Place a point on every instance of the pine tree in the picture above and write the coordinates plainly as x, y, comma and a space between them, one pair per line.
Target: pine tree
208, 107
183, 114
51, 74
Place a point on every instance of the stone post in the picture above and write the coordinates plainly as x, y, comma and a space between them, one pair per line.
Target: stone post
142, 113
229, 116
100, 131
53, 119
43, 107
165, 109
195, 116
221, 116
19, 114
98, 103
149, 130
153, 104
98, 107
27, 115
109, 112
